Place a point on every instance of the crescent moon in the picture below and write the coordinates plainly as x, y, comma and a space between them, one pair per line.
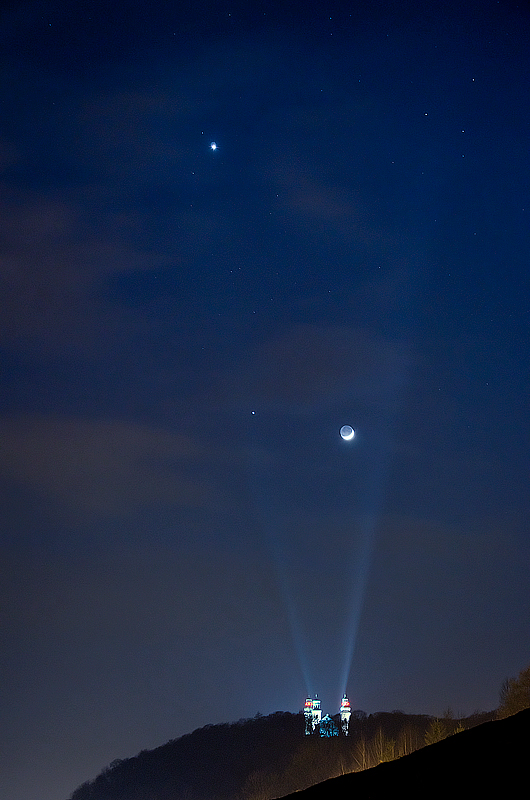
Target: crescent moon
347, 432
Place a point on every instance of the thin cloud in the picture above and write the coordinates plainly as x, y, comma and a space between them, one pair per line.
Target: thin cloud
318, 364
51, 260
103, 467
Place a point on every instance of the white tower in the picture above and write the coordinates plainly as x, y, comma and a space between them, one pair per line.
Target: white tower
317, 713
308, 714
345, 714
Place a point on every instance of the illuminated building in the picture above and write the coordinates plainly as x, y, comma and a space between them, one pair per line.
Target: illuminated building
345, 714
308, 714
317, 713
328, 727
314, 723
313, 715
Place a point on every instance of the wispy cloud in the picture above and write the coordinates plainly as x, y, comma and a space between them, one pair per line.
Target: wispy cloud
103, 467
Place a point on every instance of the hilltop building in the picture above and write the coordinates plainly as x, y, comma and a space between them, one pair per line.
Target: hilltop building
345, 714
313, 715
325, 726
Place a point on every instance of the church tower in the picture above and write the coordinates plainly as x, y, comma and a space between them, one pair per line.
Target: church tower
345, 714
317, 713
312, 715
308, 716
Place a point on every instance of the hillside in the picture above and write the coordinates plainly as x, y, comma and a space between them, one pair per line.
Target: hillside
259, 758
490, 760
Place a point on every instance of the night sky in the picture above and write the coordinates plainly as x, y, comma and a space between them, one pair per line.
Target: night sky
186, 539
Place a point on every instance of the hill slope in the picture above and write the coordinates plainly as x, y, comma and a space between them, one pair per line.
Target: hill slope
259, 758
489, 760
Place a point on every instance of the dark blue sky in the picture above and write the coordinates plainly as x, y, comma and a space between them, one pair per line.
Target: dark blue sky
187, 539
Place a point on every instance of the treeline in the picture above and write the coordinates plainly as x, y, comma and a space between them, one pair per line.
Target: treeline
264, 757
372, 740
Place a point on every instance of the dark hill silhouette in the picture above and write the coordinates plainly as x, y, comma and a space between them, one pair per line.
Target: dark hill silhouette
212, 763
490, 760
259, 758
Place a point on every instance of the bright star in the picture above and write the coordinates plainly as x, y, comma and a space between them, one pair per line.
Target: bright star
213, 146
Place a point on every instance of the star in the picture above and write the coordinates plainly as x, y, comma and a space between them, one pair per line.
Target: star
213, 146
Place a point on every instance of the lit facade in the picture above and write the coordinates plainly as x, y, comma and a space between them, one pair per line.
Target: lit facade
308, 715
317, 713
345, 714
315, 724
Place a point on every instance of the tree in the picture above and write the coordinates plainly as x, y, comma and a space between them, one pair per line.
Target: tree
409, 739
514, 694
382, 748
361, 759
435, 732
